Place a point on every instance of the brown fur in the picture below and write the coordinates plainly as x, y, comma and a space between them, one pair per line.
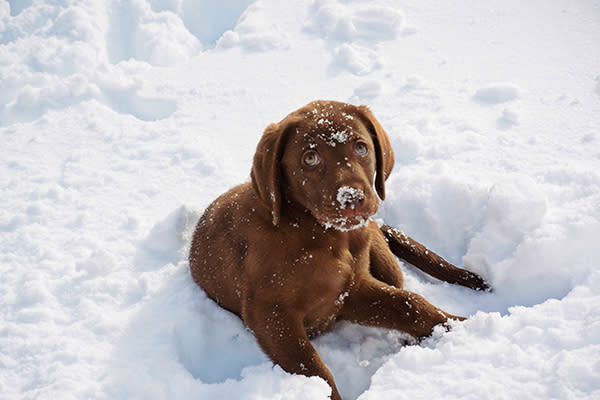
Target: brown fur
294, 250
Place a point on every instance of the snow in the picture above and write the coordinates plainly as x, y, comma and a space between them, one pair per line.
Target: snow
346, 195
497, 93
120, 121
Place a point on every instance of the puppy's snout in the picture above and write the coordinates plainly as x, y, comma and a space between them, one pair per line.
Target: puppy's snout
350, 198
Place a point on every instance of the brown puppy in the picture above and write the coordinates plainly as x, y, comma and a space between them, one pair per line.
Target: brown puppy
295, 249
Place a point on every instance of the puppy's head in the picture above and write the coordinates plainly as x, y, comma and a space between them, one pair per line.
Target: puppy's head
330, 158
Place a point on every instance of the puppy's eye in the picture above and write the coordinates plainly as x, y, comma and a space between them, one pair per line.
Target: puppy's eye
311, 158
361, 148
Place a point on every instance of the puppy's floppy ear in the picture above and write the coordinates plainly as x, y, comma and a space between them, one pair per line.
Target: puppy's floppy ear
383, 149
266, 171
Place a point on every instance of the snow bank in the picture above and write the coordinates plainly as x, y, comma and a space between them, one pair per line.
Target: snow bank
120, 121
491, 356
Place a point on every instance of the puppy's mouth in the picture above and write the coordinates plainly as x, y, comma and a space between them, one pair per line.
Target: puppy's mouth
346, 224
350, 210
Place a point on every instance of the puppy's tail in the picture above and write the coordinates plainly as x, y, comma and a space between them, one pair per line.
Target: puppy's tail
427, 261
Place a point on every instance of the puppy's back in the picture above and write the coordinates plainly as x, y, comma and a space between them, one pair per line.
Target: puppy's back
220, 245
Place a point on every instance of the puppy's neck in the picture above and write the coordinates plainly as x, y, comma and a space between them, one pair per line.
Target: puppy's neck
298, 217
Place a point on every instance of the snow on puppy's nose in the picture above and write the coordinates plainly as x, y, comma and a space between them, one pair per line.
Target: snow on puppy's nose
350, 197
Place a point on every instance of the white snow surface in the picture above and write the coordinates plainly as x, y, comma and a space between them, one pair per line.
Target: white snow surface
121, 120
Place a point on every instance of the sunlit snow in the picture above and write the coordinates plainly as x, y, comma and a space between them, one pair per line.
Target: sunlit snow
121, 120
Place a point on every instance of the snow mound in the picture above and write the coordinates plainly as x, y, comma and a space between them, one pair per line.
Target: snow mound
350, 21
255, 31
356, 59
507, 120
358, 27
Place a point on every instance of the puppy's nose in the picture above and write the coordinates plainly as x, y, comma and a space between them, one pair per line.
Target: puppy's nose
350, 198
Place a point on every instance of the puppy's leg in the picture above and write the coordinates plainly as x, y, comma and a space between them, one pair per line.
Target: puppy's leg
376, 304
427, 261
284, 340
384, 266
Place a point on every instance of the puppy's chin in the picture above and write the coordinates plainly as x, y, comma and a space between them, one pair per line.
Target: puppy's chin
346, 224
343, 219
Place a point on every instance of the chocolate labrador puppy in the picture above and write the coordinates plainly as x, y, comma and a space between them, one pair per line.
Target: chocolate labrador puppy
295, 249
